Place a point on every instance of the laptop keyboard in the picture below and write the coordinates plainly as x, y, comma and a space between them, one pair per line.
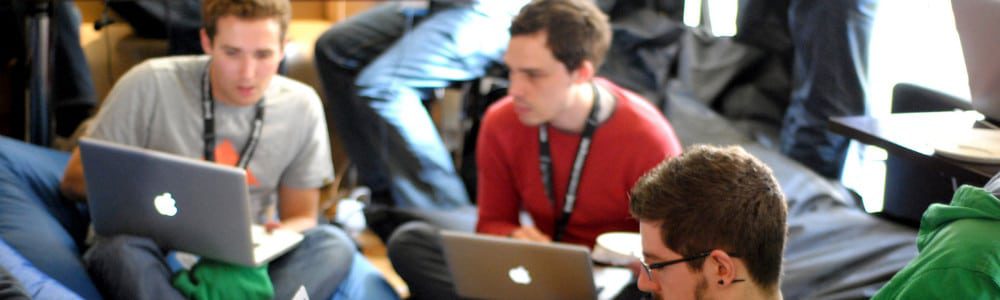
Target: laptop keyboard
266, 244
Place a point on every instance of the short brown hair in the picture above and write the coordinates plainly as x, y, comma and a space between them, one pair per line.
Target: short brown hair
577, 29
717, 198
212, 10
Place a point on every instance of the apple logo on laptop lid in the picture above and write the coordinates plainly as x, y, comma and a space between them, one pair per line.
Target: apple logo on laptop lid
165, 204
519, 275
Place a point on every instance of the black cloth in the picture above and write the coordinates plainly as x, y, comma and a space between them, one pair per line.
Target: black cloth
644, 52
178, 21
791, 66
823, 220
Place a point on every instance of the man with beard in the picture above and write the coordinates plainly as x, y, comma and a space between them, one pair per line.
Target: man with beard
713, 225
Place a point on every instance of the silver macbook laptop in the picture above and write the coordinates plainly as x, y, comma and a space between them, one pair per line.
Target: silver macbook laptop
976, 22
181, 203
488, 267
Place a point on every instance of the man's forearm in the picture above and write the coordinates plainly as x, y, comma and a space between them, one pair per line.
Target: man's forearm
298, 224
298, 208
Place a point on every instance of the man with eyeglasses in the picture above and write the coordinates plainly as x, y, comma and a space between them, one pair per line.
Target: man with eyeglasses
712, 222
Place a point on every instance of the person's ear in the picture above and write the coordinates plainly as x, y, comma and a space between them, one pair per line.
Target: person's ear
584, 73
720, 268
206, 41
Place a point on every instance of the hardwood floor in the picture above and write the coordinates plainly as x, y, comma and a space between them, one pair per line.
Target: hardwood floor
373, 248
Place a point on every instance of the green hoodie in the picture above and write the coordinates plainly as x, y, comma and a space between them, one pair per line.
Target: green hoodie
210, 279
959, 248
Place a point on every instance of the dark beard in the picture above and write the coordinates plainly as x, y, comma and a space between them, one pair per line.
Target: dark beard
699, 291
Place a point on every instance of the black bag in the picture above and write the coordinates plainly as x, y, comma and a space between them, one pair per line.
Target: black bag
176, 20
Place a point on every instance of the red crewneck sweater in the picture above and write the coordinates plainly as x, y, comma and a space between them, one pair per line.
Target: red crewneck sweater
633, 140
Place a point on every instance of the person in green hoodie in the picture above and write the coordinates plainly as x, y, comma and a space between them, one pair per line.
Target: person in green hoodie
959, 248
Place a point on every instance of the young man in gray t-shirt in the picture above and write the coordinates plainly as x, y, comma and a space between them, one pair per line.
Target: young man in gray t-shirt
231, 108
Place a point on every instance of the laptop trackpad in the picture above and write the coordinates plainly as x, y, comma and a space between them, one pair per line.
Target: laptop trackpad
268, 246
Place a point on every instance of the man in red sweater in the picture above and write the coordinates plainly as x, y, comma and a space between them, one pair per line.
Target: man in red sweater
563, 145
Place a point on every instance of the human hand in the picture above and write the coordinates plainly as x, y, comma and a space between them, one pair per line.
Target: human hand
271, 225
530, 233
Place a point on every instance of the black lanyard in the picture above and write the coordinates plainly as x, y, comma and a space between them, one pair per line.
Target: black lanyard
545, 162
208, 113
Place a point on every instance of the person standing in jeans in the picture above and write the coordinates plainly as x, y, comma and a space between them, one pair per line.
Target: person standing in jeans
377, 68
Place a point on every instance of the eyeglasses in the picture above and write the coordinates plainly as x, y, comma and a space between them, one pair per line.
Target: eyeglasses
660, 265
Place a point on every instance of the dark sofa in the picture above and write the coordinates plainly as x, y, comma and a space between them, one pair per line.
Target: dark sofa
835, 250
714, 91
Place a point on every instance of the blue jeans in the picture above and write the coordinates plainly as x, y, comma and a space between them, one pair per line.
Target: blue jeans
827, 43
376, 70
131, 267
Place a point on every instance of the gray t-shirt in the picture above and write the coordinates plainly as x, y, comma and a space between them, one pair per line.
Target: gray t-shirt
157, 105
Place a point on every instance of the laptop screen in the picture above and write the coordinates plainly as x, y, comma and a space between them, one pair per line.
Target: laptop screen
976, 22
489, 267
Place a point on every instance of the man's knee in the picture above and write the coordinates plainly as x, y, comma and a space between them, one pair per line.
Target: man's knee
333, 50
328, 237
326, 42
409, 237
122, 256
118, 246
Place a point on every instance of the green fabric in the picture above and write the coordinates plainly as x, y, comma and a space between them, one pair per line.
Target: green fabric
959, 248
211, 279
